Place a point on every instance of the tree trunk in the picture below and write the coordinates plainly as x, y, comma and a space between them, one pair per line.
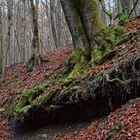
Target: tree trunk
8, 38
36, 58
53, 26
74, 22
84, 22
1, 39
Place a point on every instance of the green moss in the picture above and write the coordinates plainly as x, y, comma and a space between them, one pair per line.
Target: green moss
70, 94
27, 100
30, 95
109, 35
95, 57
120, 30
24, 109
75, 56
123, 19
99, 81
78, 70
96, 18
99, 57
79, 88
105, 38
75, 69
114, 131
110, 15
43, 99
75, 66
30, 64
122, 39
138, 42
30, 67
20, 113
108, 55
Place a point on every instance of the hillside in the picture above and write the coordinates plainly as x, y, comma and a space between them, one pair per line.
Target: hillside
17, 79
123, 123
104, 89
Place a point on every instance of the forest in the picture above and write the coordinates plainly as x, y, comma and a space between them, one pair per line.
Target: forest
69, 69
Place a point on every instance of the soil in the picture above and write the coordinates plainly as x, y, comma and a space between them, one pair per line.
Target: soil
50, 131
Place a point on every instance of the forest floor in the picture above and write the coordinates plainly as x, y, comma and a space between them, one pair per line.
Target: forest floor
18, 79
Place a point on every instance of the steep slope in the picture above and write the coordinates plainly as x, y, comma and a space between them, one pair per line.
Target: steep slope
17, 79
105, 87
122, 124
109, 84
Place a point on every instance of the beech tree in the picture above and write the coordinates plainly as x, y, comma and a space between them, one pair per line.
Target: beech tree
30, 28
1, 40
84, 21
6, 55
36, 58
52, 14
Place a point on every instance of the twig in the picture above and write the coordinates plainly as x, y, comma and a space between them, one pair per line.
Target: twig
133, 8
104, 9
119, 13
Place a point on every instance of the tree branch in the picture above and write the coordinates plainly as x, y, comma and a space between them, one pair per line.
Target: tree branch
135, 4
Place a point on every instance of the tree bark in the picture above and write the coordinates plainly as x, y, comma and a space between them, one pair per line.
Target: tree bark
73, 20
84, 22
36, 58
1, 40
53, 26
8, 38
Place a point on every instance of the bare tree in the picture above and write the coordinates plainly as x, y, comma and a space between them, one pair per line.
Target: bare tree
8, 37
1, 37
36, 58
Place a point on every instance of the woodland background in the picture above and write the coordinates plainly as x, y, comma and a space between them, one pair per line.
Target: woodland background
17, 26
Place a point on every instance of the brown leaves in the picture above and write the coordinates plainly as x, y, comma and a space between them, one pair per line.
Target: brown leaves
23, 80
126, 52
17, 79
127, 117
4, 130
133, 25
